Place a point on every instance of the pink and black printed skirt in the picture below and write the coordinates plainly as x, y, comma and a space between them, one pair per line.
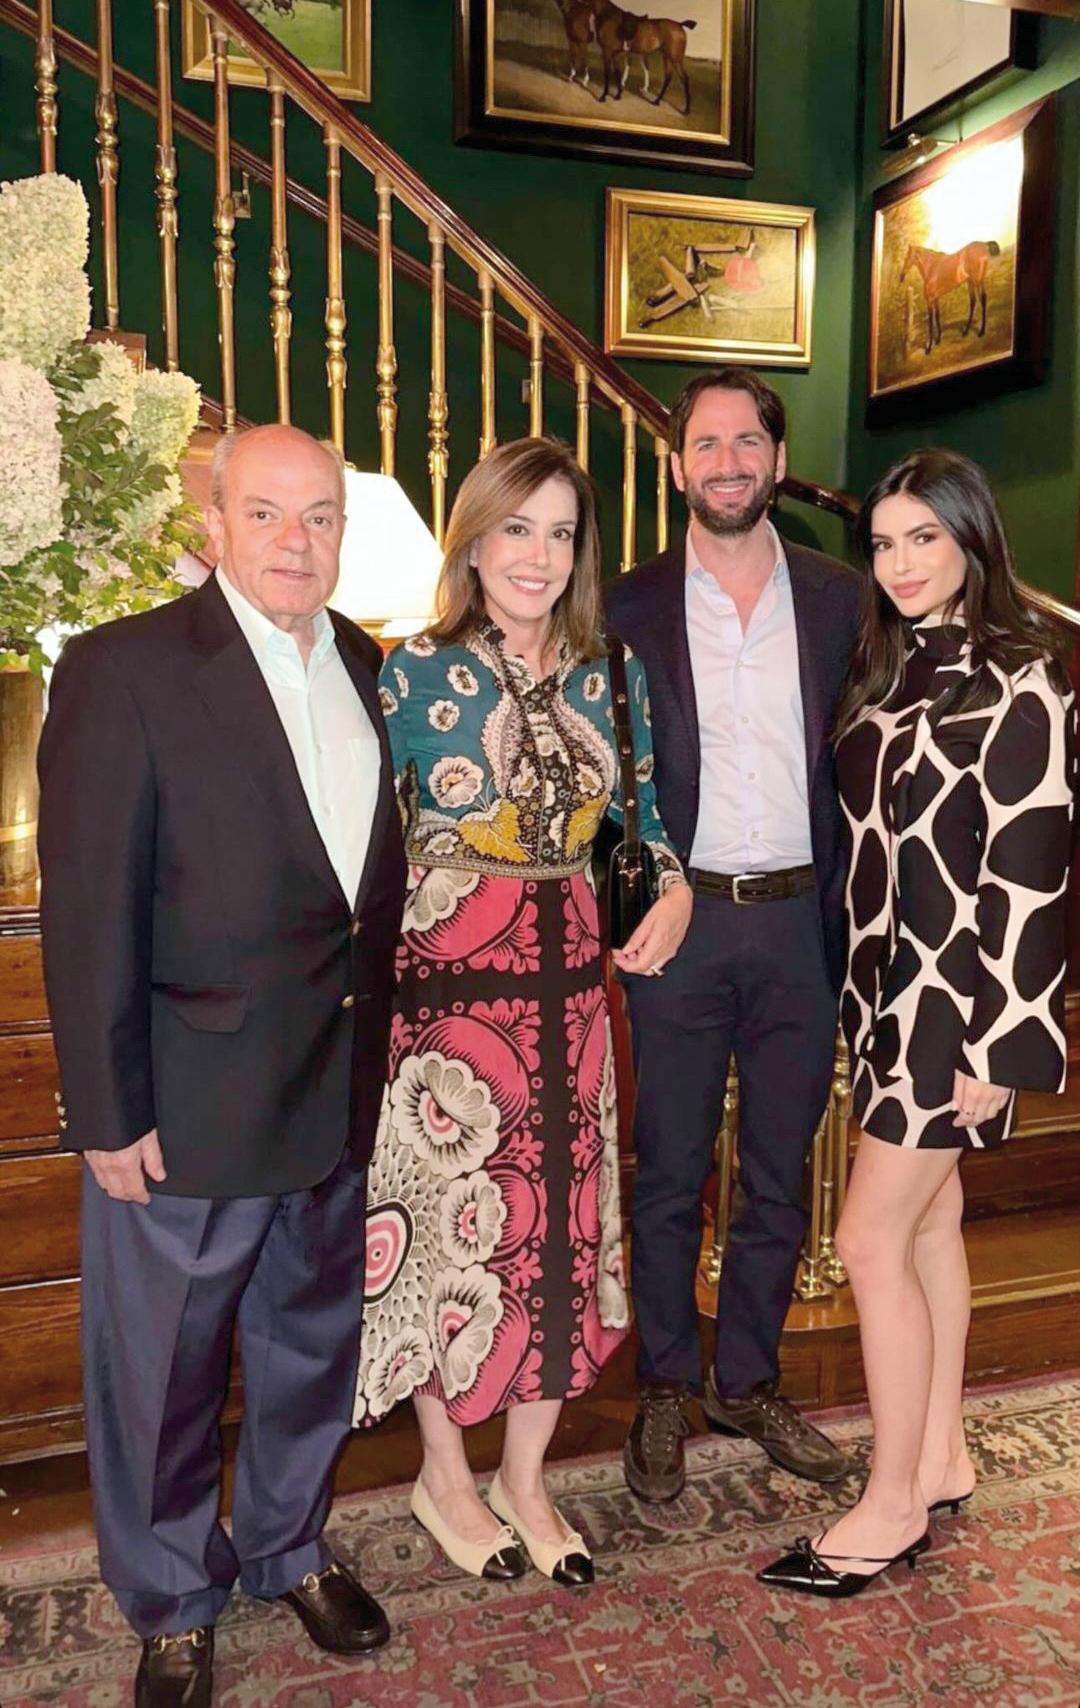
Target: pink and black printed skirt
494, 1250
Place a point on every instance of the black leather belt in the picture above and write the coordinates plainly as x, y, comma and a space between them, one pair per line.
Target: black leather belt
755, 886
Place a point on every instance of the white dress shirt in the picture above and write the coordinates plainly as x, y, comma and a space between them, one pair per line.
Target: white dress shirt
752, 812
331, 736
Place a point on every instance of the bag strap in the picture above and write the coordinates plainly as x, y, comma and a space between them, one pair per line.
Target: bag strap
624, 742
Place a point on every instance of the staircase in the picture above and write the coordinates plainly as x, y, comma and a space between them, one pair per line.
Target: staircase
496, 358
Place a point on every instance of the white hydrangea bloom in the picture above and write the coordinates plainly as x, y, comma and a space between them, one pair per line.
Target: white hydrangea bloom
114, 384
31, 490
44, 308
46, 214
146, 515
166, 410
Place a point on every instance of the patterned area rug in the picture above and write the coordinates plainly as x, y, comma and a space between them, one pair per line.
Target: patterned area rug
992, 1615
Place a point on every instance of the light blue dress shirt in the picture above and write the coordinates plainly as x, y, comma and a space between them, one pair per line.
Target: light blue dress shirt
752, 814
331, 736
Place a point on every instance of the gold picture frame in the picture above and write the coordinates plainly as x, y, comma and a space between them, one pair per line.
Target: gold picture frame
709, 279
301, 30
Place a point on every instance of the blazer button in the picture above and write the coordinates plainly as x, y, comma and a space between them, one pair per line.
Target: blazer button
348, 1002
62, 1123
354, 928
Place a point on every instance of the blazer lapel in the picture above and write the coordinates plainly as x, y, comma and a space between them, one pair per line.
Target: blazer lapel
812, 644
232, 688
360, 674
673, 650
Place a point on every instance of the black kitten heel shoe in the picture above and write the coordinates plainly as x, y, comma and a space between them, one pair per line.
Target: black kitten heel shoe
809, 1572
951, 1504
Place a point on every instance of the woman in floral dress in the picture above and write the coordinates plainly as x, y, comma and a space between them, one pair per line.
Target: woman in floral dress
495, 1273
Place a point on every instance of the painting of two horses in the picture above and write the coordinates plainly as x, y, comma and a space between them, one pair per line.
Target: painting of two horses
674, 75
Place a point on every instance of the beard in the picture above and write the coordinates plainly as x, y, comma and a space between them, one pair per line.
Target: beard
725, 523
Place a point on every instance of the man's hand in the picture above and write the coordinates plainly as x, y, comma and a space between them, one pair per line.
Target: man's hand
122, 1173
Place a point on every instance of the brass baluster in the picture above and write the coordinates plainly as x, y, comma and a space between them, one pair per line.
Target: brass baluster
280, 270
487, 362
809, 1284
165, 187
726, 1140
336, 364
386, 359
45, 72
581, 386
438, 402
629, 504
108, 160
839, 1114
536, 378
224, 224
663, 459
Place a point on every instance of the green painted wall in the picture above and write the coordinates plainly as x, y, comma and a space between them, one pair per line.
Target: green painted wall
547, 214
1028, 439
817, 130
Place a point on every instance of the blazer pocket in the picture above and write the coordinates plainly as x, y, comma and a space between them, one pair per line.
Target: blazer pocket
208, 1007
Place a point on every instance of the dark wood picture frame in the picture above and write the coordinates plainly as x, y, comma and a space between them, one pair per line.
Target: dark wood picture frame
608, 135
1025, 362
896, 129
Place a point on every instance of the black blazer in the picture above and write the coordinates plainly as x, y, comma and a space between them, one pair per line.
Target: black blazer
647, 608
206, 972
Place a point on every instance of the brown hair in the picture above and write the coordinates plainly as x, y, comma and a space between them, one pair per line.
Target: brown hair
770, 405
1002, 626
489, 494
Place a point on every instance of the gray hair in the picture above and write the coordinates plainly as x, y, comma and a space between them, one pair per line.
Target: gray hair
225, 449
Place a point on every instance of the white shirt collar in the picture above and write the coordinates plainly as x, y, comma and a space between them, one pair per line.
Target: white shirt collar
263, 636
695, 566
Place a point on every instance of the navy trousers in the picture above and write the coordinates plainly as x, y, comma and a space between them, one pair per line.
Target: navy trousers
749, 978
164, 1285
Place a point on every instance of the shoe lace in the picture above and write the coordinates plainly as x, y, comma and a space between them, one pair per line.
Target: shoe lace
665, 1420
779, 1410
173, 1640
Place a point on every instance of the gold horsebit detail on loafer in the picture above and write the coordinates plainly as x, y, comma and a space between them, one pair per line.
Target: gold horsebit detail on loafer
311, 1581
167, 1640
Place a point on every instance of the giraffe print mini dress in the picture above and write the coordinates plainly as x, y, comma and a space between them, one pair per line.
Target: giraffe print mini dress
960, 828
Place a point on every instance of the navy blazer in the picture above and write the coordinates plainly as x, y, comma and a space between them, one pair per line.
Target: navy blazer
206, 973
647, 608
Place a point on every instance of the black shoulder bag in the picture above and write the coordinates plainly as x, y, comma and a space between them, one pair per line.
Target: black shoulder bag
626, 878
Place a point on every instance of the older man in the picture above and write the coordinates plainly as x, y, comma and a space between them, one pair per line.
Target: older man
222, 883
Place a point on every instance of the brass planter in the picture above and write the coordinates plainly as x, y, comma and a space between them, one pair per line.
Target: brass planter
20, 728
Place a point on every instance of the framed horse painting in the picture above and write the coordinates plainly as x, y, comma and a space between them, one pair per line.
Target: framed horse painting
331, 37
623, 82
962, 266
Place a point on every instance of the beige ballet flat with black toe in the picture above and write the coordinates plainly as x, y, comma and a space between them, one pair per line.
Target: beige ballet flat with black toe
499, 1559
567, 1562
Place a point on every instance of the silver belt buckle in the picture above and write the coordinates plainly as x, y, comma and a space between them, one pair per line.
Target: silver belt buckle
736, 881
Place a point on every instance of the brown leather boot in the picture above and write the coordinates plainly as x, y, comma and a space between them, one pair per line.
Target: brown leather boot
772, 1421
654, 1458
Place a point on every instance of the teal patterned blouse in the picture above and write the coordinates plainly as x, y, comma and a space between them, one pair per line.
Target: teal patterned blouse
499, 773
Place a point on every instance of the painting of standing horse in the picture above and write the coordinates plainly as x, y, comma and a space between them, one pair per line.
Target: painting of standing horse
941, 274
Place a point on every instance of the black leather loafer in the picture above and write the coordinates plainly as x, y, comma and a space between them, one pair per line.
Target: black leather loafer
176, 1671
772, 1421
337, 1612
811, 1573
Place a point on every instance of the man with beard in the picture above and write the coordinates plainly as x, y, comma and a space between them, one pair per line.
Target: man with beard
745, 641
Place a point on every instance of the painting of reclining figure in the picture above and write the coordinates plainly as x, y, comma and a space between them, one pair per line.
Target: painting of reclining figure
670, 82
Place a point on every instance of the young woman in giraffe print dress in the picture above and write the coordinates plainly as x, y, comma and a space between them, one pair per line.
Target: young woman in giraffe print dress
955, 757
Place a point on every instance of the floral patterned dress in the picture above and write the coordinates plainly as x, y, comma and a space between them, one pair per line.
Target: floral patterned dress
494, 1252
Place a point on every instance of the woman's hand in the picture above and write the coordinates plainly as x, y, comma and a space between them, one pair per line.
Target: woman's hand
975, 1101
660, 934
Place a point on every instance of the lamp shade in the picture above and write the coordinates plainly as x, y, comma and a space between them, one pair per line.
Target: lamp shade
390, 561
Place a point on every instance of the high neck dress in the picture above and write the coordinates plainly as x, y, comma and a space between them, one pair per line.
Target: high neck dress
960, 827
494, 1239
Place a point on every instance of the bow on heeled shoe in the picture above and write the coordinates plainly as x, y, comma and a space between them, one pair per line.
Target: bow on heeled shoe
811, 1573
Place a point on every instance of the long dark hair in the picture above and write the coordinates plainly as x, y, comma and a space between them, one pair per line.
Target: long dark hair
489, 493
1003, 627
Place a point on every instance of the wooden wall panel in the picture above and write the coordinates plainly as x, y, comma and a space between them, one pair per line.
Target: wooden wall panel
39, 1213
28, 1080
40, 1371
21, 981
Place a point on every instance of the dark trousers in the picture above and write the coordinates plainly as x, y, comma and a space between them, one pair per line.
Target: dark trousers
748, 978
164, 1285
